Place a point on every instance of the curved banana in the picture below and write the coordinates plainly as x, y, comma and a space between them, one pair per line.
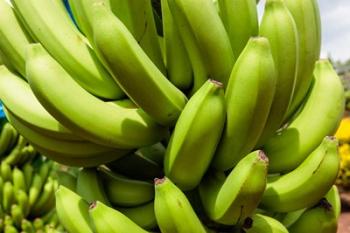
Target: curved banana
333, 198
35, 189
106, 219
13, 38
72, 211
17, 215
5, 138
253, 75
123, 191
279, 27
203, 118
67, 179
8, 196
144, 164
78, 149
118, 49
23, 201
307, 18
320, 116
15, 155
265, 224
173, 211
179, 69
320, 219
46, 200
6, 171
308, 183
240, 18
211, 37
61, 96
143, 215
59, 36
230, 200
18, 180
90, 187
27, 108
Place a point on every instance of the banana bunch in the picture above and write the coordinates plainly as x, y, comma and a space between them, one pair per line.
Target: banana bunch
183, 116
27, 183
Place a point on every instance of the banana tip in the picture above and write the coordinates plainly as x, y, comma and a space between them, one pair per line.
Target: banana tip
93, 205
217, 83
263, 156
248, 223
158, 181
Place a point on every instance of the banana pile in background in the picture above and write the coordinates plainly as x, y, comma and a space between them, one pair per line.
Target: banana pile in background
27, 187
343, 134
183, 116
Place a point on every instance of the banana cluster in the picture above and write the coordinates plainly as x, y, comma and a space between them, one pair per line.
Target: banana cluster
27, 185
227, 115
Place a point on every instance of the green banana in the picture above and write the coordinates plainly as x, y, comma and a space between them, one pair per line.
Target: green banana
144, 164
5, 138
320, 116
10, 229
320, 219
35, 189
240, 18
308, 183
138, 17
253, 75
46, 201
279, 27
6, 171
203, 118
106, 219
17, 215
291, 217
14, 156
143, 215
118, 49
72, 211
18, 179
27, 108
307, 18
66, 179
27, 226
28, 172
23, 201
8, 196
128, 128
230, 200
173, 211
179, 70
90, 187
211, 37
13, 38
123, 191
78, 149
333, 197
60, 37
265, 224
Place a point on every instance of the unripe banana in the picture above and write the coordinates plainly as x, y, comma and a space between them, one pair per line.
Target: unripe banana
13, 38
35, 189
179, 70
27, 108
307, 18
279, 27
27, 226
333, 197
60, 37
128, 128
5, 138
72, 211
8, 196
10, 229
211, 36
320, 116
249, 97
17, 215
119, 49
143, 215
203, 118
6, 171
320, 219
106, 219
90, 187
265, 224
19, 182
240, 18
28, 172
15, 154
23, 201
123, 191
174, 212
67, 179
144, 164
230, 200
46, 201
308, 183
